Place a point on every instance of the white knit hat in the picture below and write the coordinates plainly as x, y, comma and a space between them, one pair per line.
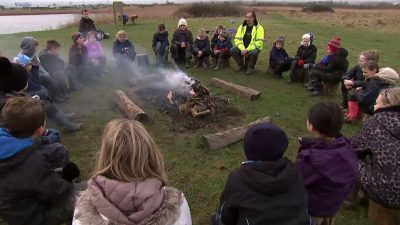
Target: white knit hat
388, 74
182, 21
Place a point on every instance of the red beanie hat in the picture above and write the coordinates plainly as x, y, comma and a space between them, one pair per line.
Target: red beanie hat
334, 44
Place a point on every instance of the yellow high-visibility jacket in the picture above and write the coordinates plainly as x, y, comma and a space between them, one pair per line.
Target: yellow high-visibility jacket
257, 37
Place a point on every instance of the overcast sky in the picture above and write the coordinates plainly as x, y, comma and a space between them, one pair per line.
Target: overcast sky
9, 3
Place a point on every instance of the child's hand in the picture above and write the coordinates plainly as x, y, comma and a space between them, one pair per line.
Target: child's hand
217, 51
348, 82
359, 88
183, 45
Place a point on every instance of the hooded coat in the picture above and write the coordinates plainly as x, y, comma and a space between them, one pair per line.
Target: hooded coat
335, 68
86, 25
109, 201
307, 54
31, 192
264, 192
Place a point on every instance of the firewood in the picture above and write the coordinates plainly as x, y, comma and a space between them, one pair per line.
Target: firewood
240, 90
198, 114
222, 139
130, 109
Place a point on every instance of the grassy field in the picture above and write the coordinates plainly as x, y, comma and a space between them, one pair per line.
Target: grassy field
200, 173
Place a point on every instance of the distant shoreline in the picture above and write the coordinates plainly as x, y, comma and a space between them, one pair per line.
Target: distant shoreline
45, 11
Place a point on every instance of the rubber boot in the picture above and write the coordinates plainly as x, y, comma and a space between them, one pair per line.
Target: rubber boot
218, 63
214, 61
61, 119
187, 64
353, 112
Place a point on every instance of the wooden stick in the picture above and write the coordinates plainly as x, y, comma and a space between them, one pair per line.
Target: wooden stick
131, 110
240, 90
222, 139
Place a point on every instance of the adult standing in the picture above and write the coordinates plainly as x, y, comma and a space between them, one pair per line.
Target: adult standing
248, 43
86, 24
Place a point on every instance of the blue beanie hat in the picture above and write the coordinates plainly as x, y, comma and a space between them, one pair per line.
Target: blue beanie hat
265, 142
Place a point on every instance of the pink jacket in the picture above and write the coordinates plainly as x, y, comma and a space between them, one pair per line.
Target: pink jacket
95, 49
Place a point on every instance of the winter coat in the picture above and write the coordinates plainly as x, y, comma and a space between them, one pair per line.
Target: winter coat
182, 36
118, 50
329, 172
224, 46
86, 25
269, 192
51, 63
214, 40
201, 45
162, 38
276, 55
257, 37
94, 48
109, 201
337, 65
31, 192
307, 54
378, 142
78, 55
355, 74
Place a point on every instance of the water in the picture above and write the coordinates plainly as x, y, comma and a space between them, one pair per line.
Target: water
27, 23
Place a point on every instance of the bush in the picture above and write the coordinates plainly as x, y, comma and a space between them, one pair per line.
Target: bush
210, 10
318, 8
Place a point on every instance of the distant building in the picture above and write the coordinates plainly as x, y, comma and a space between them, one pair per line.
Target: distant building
22, 4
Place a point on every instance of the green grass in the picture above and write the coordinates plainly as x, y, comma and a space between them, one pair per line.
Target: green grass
200, 173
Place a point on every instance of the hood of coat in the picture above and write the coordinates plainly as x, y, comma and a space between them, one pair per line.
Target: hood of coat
388, 74
342, 52
126, 203
11, 145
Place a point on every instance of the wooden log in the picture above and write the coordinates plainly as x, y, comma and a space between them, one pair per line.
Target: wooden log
222, 139
381, 215
240, 90
130, 109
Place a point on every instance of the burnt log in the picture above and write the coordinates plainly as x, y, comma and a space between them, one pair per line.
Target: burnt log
130, 109
222, 139
240, 90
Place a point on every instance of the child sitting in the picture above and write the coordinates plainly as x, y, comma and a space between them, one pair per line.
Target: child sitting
213, 43
78, 60
31, 191
327, 163
330, 69
279, 60
306, 53
267, 188
222, 50
161, 45
123, 50
201, 49
129, 182
182, 41
95, 55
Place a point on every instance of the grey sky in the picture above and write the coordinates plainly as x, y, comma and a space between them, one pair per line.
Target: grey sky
9, 3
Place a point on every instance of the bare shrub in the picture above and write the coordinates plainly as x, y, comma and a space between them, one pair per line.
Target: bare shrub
317, 8
210, 10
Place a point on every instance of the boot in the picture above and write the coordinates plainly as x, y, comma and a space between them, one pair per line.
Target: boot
218, 63
214, 62
353, 112
159, 59
187, 64
61, 119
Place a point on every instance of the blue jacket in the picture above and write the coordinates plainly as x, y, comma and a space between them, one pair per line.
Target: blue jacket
225, 45
11, 145
276, 55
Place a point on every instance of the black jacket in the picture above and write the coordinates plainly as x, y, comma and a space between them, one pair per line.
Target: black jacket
78, 55
337, 65
261, 193
201, 45
276, 55
124, 50
308, 54
31, 192
51, 63
355, 74
182, 36
367, 96
86, 25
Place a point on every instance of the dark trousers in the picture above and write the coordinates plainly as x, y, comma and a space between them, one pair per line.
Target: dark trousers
249, 61
280, 66
175, 49
318, 77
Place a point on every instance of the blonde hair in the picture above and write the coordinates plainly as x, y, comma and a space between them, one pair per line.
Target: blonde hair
121, 33
391, 96
128, 153
371, 55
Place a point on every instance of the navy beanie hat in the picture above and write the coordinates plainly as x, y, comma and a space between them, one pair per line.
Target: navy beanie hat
265, 142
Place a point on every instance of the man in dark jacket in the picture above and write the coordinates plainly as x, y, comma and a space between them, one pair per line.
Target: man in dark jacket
86, 24
31, 191
267, 188
330, 69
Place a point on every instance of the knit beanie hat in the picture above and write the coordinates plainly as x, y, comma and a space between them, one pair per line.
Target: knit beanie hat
334, 44
13, 77
28, 45
224, 34
182, 21
280, 39
75, 36
388, 74
265, 142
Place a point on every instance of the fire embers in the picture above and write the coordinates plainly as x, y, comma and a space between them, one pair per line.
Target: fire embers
196, 102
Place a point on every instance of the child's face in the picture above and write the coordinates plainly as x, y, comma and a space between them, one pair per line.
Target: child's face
278, 45
55, 51
305, 42
182, 27
361, 59
28, 68
161, 31
80, 40
85, 15
222, 38
380, 103
92, 38
202, 37
368, 73
121, 38
328, 50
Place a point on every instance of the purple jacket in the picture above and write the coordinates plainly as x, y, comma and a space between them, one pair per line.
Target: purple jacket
95, 50
329, 172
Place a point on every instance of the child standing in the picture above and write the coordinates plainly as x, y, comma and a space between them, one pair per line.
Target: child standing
201, 49
267, 188
222, 50
161, 45
123, 50
327, 162
128, 186
95, 54
279, 60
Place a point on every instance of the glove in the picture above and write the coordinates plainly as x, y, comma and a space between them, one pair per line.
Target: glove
70, 171
309, 66
300, 62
